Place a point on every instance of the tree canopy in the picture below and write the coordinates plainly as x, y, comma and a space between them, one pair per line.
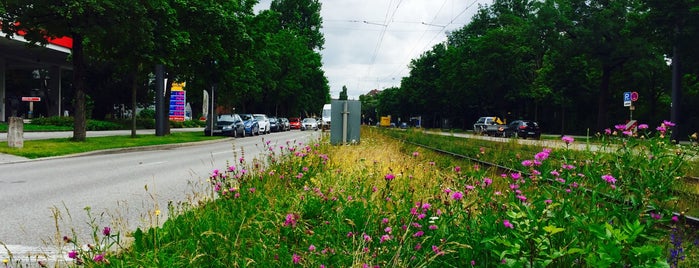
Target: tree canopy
565, 64
263, 63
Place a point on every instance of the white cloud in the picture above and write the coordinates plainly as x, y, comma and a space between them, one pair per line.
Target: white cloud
369, 43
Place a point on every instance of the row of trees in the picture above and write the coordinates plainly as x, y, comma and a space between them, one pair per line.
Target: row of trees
563, 63
267, 62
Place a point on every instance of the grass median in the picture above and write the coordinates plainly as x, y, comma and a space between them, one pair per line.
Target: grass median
57, 147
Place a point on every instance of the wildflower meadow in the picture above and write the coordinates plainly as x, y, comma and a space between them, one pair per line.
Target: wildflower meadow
386, 203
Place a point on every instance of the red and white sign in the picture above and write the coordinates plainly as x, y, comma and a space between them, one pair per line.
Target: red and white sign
634, 96
31, 99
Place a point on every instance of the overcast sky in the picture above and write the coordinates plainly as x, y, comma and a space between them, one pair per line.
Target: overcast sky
369, 43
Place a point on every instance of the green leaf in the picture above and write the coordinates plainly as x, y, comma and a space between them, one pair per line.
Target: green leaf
553, 229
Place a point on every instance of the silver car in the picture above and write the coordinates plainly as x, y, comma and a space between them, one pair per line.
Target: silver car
309, 123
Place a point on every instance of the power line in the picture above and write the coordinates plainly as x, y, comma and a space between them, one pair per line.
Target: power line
438, 33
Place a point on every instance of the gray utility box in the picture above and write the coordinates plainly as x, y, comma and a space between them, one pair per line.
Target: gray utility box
346, 118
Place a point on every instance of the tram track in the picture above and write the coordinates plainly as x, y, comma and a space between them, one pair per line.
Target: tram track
690, 220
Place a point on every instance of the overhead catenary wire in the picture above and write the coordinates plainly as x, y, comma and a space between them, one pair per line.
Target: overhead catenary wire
441, 31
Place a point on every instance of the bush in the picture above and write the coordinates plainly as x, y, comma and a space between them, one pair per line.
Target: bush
147, 113
187, 124
102, 125
54, 121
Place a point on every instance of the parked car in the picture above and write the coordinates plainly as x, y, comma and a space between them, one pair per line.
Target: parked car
309, 123
263, 122
252, 127
284, 123
227, 124
295, 123
403, 125
274, 125
490, 125
523, 129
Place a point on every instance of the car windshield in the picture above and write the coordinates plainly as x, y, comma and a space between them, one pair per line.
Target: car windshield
531, 124
226, 118
246, 117
309, 120
260, 117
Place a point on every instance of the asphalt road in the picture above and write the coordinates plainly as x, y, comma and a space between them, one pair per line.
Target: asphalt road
114, 186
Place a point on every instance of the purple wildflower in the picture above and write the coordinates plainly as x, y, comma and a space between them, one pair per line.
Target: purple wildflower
508, 224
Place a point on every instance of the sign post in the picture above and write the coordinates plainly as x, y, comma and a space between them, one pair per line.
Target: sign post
31, 101
629, 98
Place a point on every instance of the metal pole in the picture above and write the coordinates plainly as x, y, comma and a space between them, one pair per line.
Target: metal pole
211, 111
676, 94
159, 100
344, 122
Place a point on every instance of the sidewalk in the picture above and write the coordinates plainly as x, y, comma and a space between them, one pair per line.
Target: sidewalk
69, 134
8, 158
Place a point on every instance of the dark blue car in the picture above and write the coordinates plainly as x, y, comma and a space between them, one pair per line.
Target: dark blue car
227, 124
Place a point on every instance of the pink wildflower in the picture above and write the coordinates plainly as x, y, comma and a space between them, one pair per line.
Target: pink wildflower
311, 248
436, 250
508, 224
390, 177
567, 139
457, 196
296, 258
106, 231
609, 179
384, 238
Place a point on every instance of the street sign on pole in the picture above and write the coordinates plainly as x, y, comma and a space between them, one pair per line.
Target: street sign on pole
31, 99
627, 99
634, 96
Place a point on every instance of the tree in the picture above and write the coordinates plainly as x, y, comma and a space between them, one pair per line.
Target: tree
80, 20
343, 93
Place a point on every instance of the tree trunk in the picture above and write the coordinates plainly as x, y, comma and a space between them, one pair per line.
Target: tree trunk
602, 118
134, 86
80, 122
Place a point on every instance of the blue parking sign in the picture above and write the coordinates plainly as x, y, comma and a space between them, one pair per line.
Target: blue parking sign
627, 96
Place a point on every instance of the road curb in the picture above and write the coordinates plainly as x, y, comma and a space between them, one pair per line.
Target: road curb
13, 159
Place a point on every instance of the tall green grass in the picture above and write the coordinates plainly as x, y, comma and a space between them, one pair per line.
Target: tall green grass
385, 203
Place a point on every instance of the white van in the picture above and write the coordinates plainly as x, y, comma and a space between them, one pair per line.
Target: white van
325, 116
